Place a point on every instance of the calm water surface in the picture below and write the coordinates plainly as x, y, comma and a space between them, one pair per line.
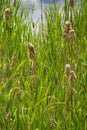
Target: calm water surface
36, 5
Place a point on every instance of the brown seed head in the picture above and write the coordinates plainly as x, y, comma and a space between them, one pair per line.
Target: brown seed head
30, 46
7, 14
66, 29
31, 51
9, 119
68, 69
65, 35
67, 24
71, 35
71, 31
72, 76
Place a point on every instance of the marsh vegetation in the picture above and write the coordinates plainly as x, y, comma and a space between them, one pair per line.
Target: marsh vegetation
43, 75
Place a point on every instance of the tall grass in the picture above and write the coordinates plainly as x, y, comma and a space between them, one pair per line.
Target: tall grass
37, 94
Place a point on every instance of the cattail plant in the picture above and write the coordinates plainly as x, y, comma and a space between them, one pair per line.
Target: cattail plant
9, 119
68, 32
72, 80
67, 84
68, 92
31, 51
71, 3
71, 35
67, 73
68, 69
66, 29
32, 56
72, 76
7, 14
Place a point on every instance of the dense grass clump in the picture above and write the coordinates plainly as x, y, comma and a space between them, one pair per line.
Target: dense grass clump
43, 75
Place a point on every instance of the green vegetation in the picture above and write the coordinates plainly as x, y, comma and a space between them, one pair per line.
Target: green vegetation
38, 89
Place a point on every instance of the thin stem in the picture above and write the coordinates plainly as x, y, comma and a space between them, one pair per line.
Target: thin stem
42, 18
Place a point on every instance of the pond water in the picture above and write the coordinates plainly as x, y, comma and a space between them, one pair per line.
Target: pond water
36, 15
36, 5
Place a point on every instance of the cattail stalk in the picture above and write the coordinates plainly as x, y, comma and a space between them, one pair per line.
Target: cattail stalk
66, 92
32, 56
42, 19
15, 1
70, 79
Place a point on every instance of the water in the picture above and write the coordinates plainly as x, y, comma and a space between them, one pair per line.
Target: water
36, 5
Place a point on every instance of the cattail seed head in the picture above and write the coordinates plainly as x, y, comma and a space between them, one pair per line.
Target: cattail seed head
71, 35
67, 69
71, 31
30, 46
68, 32
66, 29
7, 14
31, 51
67, 24
71, 3
72, 76
9, 119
